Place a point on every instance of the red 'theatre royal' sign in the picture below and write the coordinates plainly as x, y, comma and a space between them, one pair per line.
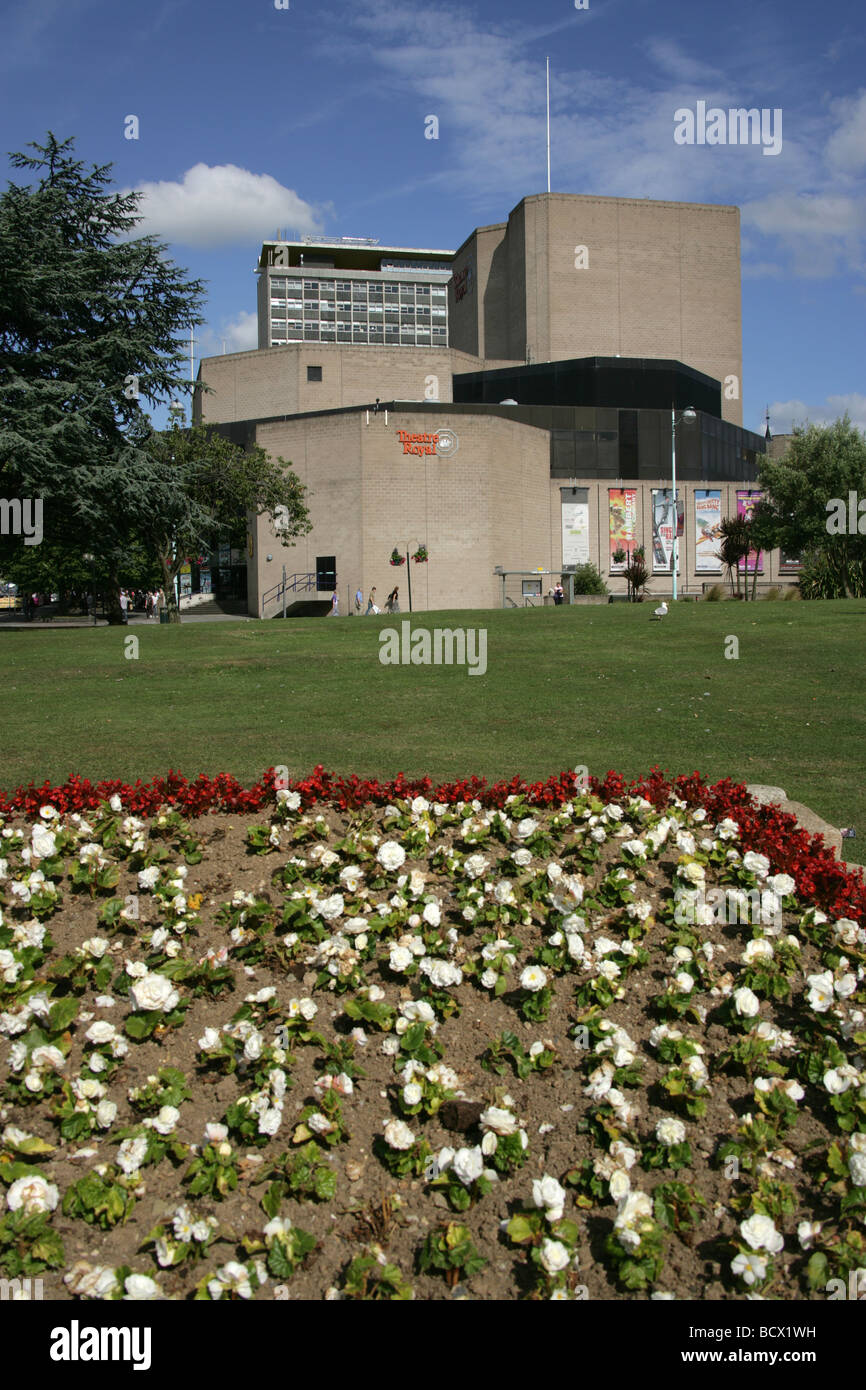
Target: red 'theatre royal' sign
418, 443
462, 282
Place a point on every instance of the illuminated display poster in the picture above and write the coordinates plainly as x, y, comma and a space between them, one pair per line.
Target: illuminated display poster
623, 514
708, 519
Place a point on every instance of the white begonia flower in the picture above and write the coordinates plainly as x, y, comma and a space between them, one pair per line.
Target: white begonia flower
166, 1121
760, 1233
633, 1209
692, 873
391, 855
99, 1033
233, 1277
398, 1135
670, 1131
153, 992
432, 914
106, 1114
215, 1133
549, 1195
147, 878
32, 1195
489, 1144
807, 1233
90, 1281
132, 1154
319, 1124
475, 865
412, 1093
619, 1184
554, 1256
746, 1004
400, 959
209, 1040
757, 864
141, 1288
857, 1169
846, 985
497, 1120
468, 1164
750, 1268
488, 979
684, 982
759, 949
441, 973
525, 828
533, 978
820, 995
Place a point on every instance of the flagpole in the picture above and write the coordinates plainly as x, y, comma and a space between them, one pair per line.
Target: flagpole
548, 125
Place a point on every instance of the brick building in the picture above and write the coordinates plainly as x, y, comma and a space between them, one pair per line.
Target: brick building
543, 421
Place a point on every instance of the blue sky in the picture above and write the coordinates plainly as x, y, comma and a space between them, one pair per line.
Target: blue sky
312, 118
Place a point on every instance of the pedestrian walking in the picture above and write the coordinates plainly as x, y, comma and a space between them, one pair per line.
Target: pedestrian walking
393, 603
371, 602
124, 605
558, 595
359, 600
335, 605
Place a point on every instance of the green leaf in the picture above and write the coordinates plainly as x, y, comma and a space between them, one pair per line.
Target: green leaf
272, 1199
62, 1013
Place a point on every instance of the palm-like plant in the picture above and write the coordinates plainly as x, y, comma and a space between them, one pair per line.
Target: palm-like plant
736, 534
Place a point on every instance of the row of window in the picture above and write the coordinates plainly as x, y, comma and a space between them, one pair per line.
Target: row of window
354, 313
329, 289
294, 334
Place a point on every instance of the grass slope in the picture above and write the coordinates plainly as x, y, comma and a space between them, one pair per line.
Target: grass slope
599, 686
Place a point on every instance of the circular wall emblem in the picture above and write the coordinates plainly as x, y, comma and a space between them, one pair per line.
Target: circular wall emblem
448, 444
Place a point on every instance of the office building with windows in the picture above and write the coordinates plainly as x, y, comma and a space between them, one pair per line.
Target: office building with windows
353, 291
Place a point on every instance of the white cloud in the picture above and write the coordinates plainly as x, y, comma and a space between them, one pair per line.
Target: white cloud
785, 414
223, 205
613, 135
239, 334
819, 232
846, 148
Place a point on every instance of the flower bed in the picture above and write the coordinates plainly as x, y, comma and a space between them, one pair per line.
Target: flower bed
346, 1039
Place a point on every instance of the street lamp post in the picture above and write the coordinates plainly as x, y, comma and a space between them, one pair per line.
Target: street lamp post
688, 417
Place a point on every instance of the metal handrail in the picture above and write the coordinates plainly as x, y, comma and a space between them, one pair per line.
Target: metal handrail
295, 583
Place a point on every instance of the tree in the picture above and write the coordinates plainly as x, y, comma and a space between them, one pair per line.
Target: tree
735, 532
201, 486
807, 494
90, 323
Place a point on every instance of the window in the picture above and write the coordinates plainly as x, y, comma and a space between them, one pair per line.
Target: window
314, 374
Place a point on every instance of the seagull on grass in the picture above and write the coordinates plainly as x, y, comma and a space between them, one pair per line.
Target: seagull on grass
660, 612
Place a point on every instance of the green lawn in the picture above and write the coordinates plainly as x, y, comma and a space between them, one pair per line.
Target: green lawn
601, 686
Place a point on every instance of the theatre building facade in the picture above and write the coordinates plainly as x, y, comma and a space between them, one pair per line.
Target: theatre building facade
502, 473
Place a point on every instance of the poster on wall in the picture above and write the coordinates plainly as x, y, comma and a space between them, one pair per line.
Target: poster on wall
575, 533
623, 514
204, 582
708, 520
745, 506
663, 529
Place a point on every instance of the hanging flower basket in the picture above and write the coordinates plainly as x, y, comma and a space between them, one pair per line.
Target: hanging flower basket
397, 558
421, 556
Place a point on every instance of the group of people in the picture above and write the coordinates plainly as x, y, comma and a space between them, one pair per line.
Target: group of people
392, 603
140, 601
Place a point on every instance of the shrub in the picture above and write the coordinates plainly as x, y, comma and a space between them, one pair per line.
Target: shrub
792, 592
715, 594
772, 593
587, 580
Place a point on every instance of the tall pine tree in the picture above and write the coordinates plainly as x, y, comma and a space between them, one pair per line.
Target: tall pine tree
92, 322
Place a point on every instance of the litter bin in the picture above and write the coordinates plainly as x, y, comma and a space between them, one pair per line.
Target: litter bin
163, 615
